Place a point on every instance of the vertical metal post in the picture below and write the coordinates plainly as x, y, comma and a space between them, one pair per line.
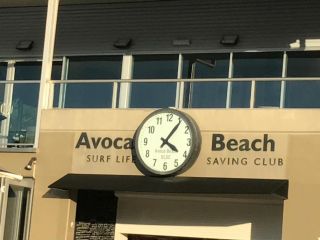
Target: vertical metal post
49, 39
7, 107
283, 83
114, 95
252, 93
229, 88
180, 85
63, 86
125, 88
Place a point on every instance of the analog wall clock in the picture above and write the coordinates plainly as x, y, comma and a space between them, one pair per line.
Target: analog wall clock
166, 143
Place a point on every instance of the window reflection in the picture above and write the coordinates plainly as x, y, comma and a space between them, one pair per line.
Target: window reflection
205, 94
3, 115
250, 65
24, 103
154, 95
3, 73
16, 213
56, 75
303, 94
90, 95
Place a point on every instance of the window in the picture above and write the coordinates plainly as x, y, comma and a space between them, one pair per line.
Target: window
303, 93
89, 95
24, 103
154, 95
19, 102
251, 65
3, 74
15, 208
205, 94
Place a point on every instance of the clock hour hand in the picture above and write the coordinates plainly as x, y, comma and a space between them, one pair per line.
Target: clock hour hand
170, 145
170, 134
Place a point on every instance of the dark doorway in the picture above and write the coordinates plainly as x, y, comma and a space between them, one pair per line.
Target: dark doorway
96, 215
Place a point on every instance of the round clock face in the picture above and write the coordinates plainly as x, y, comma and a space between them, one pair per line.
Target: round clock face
166, 143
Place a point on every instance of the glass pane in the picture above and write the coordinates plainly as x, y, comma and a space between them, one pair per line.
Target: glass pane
16, 213
154, 95
24, 103
267, 94
3, 73
56, 70
251, 65
2, 88
257, 65
303, 64
56, 75
88, 95
205, 94
241, 92
303, 94
27, 71
24, 113
24, 214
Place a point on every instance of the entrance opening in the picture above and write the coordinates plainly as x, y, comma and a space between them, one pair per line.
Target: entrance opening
15, 207
96, 215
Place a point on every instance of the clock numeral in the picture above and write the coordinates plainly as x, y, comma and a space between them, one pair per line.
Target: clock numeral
169, 117
151, 129
154, 162
187, 128
145, 141
165, 166
147, 153
159, 120
176, 163
188, 141
185, 154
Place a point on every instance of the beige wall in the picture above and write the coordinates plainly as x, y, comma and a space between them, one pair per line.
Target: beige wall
198, 217
302, 209
54, 211
16, 162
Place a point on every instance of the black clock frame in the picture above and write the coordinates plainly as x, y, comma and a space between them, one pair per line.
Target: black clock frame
190, 159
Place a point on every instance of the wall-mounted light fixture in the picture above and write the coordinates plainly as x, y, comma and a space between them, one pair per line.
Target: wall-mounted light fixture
24, 45
229, 40
30, 163
122, 43
181, 42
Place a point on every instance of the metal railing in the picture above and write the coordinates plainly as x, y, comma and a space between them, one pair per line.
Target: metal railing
4, 142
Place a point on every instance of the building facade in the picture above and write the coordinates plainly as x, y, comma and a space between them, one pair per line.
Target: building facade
80, 86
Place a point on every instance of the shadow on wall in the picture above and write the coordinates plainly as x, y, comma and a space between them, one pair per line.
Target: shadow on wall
265, 218
60, 194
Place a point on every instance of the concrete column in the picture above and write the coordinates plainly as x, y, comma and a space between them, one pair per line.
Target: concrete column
45, 98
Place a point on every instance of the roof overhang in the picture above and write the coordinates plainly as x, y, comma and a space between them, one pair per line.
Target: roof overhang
186, 185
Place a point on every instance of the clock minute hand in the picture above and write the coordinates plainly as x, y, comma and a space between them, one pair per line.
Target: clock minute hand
170, 134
